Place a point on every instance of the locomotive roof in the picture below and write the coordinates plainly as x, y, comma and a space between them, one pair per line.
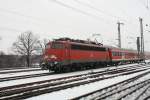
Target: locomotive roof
91, 43
80, 42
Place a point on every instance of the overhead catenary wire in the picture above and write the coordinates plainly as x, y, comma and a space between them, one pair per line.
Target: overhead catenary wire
98, 10
73, 8
80, 11
63, 4
70, 7
105, 13
111, 15
10, 29
19, 14
146, 6
32, 18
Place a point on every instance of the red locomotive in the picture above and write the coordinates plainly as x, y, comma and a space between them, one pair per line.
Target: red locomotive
65, 54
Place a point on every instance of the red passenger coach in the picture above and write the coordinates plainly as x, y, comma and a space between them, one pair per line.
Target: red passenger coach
117, 55
124, 56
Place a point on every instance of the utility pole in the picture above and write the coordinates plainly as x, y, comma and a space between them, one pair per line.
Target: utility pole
147, 6
142, 38
119, 34
138, 46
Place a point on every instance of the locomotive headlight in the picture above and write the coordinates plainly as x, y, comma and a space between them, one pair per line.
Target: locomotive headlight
42, 63
45, 57
55, 62
53, 57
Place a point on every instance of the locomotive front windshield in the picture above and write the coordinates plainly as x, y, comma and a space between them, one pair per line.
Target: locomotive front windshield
47, 46
57, 46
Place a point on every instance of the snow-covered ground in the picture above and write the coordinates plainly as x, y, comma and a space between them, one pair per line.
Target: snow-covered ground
18, 69
23, 73
147, 61
35, 79
84, 89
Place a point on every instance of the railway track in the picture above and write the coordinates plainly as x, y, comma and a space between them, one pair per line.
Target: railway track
46, 74
1, 69
131, 89
24, 76
16, 71
125, 92
27, 90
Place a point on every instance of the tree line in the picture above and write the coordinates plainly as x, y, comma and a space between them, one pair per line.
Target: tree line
27, 49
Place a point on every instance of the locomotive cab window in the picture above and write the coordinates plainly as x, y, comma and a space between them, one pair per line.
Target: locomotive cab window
57, 46
47, 46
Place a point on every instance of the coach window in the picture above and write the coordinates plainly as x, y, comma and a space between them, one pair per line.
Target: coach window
119, 53
114, 53
123, 54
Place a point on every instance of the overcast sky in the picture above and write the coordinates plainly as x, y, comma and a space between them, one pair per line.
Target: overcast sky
77, 19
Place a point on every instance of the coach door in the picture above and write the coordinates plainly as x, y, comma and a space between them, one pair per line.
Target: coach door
110, 54
67, 53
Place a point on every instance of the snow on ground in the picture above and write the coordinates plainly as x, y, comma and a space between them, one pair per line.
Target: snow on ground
84, 89
11, 68
18, 69
147, 61
28, 80
23, 73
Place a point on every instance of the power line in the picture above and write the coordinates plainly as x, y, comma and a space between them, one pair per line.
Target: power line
80, 11
10, 29
103, 12
94, 8
19, 14
23, 15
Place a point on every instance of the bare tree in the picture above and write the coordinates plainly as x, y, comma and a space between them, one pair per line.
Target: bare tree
2, 53
26, 45
42, 45
2, 60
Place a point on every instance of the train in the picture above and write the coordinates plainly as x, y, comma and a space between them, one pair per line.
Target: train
65, 54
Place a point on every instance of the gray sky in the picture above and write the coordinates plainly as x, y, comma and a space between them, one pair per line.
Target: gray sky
77, 19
